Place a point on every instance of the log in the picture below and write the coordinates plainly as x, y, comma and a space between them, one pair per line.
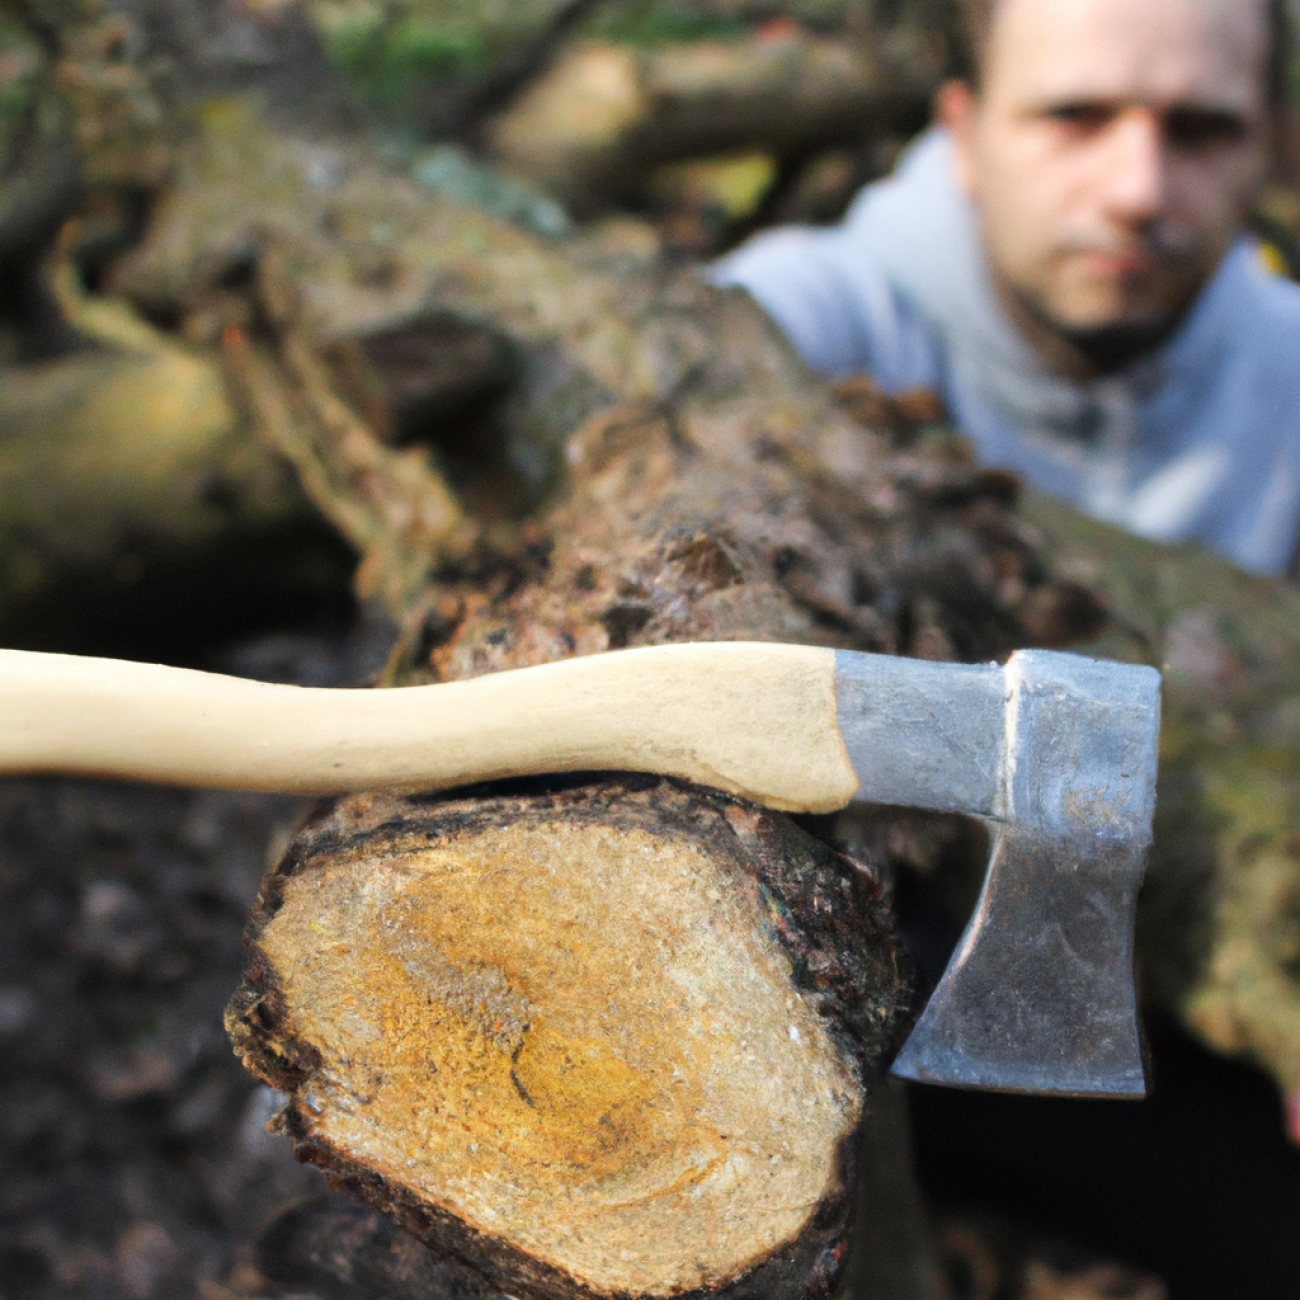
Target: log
440, 67
686, 476
693, 480
129, 478
609, 1039
604, 113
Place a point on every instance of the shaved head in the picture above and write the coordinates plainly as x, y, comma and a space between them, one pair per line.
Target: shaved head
975, 19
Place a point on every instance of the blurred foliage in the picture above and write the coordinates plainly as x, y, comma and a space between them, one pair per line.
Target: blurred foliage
647, 23
386, 51
1295, 51
390, 50
21, 63
22, 71
734, 184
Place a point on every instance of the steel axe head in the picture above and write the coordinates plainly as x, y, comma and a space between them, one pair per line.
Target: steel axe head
1058, 754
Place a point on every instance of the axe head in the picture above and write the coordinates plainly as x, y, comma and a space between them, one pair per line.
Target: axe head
1058, 754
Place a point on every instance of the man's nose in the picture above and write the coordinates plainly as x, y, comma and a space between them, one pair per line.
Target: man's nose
1135, 165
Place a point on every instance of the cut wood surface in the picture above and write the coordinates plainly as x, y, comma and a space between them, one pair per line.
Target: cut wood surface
607, 1041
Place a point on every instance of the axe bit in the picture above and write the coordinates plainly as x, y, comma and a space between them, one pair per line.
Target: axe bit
1057, 753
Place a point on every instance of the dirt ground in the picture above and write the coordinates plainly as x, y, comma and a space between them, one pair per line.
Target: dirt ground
135, 1157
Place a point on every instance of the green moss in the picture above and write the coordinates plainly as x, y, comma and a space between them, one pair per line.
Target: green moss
391, 49
651, 22
419, 48
21, 65
388, 58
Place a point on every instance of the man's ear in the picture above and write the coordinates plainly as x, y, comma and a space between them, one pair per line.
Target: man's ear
954, 109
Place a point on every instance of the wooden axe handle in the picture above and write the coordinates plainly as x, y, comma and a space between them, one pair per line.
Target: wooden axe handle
754, 719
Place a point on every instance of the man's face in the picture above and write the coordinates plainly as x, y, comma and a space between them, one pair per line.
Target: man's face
1113, 153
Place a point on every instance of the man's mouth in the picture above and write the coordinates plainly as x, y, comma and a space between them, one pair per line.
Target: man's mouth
1162, 248
1133, 265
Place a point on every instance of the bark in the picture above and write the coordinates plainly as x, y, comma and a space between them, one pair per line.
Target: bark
338, 1250
676, 471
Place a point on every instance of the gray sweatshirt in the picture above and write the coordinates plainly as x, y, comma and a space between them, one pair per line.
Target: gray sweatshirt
1197, 442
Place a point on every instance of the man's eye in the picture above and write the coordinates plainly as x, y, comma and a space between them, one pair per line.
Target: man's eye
1196, 129
1081, 117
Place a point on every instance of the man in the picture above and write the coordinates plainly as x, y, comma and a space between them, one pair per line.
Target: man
1062, 258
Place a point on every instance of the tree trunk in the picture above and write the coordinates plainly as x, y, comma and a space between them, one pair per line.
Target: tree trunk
701, 486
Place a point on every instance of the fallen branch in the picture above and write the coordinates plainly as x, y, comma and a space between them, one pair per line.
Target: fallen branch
602, 114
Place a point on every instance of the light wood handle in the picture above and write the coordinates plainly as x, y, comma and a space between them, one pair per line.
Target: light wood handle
753, 719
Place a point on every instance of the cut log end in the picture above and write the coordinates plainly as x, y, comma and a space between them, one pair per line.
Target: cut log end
612, 1039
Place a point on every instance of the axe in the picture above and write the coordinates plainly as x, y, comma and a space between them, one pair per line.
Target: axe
1057, 753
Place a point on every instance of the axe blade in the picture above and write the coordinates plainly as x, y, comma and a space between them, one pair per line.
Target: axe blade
1058, 753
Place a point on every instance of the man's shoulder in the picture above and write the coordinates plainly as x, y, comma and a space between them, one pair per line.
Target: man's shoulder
874, 291
1246, 321
1280, 300
923, 177
1269, 319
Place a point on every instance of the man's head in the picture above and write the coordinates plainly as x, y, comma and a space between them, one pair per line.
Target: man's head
1113, 149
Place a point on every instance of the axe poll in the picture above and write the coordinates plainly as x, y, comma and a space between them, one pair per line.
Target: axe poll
1057, 753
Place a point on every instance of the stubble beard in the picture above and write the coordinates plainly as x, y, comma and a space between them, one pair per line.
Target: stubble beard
1093, 350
